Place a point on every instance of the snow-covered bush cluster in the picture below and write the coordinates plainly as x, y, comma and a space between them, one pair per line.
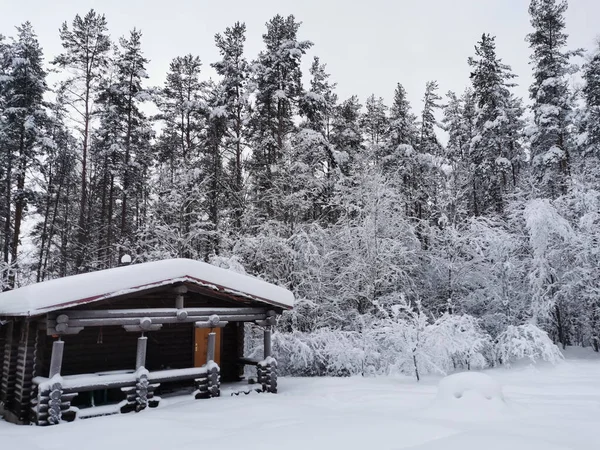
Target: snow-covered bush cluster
408, 342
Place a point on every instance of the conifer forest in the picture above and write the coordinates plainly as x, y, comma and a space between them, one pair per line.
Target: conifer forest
460, 232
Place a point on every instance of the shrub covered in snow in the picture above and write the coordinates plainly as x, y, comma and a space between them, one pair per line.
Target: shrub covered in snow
525, 342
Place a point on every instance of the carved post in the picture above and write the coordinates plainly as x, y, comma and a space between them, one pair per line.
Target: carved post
142, 345
56, 358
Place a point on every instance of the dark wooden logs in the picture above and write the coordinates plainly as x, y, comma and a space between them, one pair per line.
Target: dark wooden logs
266, 372
25, 371
209, 384
9, 362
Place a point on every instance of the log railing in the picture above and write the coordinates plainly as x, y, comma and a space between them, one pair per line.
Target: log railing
51, 402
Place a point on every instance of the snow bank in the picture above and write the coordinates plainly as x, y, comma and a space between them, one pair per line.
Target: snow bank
469, 384
65, 292
469, 396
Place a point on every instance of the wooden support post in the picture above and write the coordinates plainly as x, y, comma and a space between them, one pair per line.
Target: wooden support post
142, 345
56, 358
210, 352
267, 342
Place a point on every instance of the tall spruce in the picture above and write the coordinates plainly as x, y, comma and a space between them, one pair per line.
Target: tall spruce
550, 143
495, 148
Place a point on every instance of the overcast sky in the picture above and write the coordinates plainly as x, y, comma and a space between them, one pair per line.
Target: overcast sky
368, 46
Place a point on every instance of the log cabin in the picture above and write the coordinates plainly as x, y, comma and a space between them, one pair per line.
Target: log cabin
115, 340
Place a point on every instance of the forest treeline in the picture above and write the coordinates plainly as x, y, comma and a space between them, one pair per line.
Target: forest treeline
357, 206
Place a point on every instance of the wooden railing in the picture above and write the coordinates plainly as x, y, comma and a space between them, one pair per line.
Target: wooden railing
52, 397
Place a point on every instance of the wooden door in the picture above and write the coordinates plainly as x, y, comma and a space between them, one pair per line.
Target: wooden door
201, 346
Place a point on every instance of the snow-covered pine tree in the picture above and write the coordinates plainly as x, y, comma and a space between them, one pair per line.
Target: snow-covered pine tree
550, 141
495, 149
177, 226
589, 154
120, 155
312, 165
403, 129
459, 123
24, 122
278, 79
346, 133
235, 72
375, 127
427, 164
57, 196
85, 59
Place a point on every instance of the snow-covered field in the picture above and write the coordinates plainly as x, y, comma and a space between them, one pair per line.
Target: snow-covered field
544, 408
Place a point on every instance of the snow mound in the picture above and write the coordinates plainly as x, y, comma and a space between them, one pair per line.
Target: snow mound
469, 397
469, 385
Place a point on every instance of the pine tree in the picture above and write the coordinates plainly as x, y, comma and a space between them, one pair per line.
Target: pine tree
495, 147
235, 72
346, 133
459, 123
278, 79
550, 144
85, 58
428, 141
177, 226
402, 121
312, 162
590, 140
23, 131
375, 126
57, 199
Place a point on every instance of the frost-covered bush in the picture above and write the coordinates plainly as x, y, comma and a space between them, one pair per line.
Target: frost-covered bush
463, 340
526, 342
324, 352
405, 342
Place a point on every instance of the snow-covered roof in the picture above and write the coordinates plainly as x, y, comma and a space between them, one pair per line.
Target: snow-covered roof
90, 287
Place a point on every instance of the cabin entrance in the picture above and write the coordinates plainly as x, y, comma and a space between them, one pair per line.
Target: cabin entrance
201, 346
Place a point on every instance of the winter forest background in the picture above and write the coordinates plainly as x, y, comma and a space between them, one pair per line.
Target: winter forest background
406, 253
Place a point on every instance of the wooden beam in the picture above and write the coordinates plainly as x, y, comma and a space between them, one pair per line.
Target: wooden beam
155, 320
139, 329
154, 312
207, 324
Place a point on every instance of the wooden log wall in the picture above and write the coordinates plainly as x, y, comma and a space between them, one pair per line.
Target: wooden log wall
25, 371
9, 362
3, 332
171, 347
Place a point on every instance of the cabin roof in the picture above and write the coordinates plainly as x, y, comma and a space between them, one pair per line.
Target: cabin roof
75, 290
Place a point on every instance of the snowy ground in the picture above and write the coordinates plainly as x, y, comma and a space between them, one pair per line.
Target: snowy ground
546, 408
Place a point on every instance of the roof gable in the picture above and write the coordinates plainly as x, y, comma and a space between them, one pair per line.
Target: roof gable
74, 290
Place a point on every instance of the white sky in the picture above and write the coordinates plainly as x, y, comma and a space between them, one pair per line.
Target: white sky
368, 46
